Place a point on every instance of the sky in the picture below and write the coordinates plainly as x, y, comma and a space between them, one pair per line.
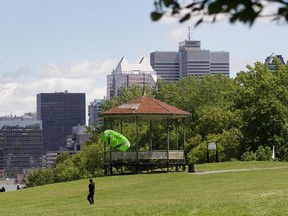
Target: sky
57, 45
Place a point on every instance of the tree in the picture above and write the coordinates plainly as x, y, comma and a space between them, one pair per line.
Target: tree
61, 157
214, 121
245, 11
40, 176
261, 100
66, 171
209, 99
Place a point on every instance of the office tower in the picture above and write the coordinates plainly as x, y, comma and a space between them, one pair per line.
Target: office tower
126, 75
271, 63
75, 141
59, 112
20, 145
94, 110
1, 165
189, 60
166, 65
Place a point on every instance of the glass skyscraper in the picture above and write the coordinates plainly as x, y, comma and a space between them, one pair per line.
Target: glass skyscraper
20, 145
94, 110
59, 112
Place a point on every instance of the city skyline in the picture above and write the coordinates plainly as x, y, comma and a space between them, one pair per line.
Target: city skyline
55, 46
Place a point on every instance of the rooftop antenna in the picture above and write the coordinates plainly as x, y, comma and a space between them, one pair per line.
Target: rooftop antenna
188, 34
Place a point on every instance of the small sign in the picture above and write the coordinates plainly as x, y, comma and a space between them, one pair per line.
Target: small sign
212, 146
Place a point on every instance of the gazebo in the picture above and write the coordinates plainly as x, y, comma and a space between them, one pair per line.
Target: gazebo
145, 108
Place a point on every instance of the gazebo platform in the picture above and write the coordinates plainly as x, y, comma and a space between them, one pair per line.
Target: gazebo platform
147, 162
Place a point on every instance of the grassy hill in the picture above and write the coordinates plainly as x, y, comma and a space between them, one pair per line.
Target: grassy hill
257, 188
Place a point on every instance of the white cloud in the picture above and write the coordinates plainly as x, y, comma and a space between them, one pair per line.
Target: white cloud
178, 34
18, 89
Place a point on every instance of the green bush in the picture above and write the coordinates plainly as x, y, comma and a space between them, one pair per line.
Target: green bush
248, 156
87, 163
40, 176
198, 154
263, 154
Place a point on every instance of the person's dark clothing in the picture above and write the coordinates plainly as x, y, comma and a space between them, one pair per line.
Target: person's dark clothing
2, 189
90, 196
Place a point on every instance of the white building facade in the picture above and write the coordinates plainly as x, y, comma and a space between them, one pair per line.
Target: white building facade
126, 75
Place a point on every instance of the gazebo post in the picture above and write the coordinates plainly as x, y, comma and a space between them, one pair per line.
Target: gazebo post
121, 126
177, 133
137, 142
167, 144
177, 138
105, 166
110, 150
184, 139
150, 135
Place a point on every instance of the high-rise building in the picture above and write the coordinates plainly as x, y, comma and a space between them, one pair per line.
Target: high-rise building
75, 141
20, 145
271, 63
126, 75
1, 165
189, 60
94, 110
59, 112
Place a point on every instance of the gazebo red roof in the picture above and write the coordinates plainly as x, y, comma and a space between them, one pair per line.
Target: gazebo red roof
145, 108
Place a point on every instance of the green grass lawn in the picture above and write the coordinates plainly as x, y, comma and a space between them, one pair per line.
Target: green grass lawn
249, 192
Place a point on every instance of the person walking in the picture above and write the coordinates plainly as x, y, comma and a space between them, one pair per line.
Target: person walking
90, 196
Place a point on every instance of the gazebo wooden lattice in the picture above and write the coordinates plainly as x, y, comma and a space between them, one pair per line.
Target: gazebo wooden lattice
144, 108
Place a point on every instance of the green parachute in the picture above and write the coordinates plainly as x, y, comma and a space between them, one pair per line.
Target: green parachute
116, 140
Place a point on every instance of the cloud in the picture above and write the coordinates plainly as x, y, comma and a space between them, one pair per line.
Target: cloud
175, 35
18, 89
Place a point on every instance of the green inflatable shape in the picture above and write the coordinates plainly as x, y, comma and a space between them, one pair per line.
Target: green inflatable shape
116, 140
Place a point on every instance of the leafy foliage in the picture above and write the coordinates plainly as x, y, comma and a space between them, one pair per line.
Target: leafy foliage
248, 156
261, 154
261, 100
85, 164
40, 176
245, 11
61, 157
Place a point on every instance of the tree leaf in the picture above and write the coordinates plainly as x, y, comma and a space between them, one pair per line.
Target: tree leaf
186, 17
156, 15
199, 22
167, 3
215, 7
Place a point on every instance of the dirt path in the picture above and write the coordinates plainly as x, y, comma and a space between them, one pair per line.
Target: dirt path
237, 170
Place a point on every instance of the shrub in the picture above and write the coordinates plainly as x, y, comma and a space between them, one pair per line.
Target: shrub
263, 154
248, 156
198, 154
40, 176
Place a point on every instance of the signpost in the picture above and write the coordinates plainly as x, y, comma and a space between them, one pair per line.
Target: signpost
212, 146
